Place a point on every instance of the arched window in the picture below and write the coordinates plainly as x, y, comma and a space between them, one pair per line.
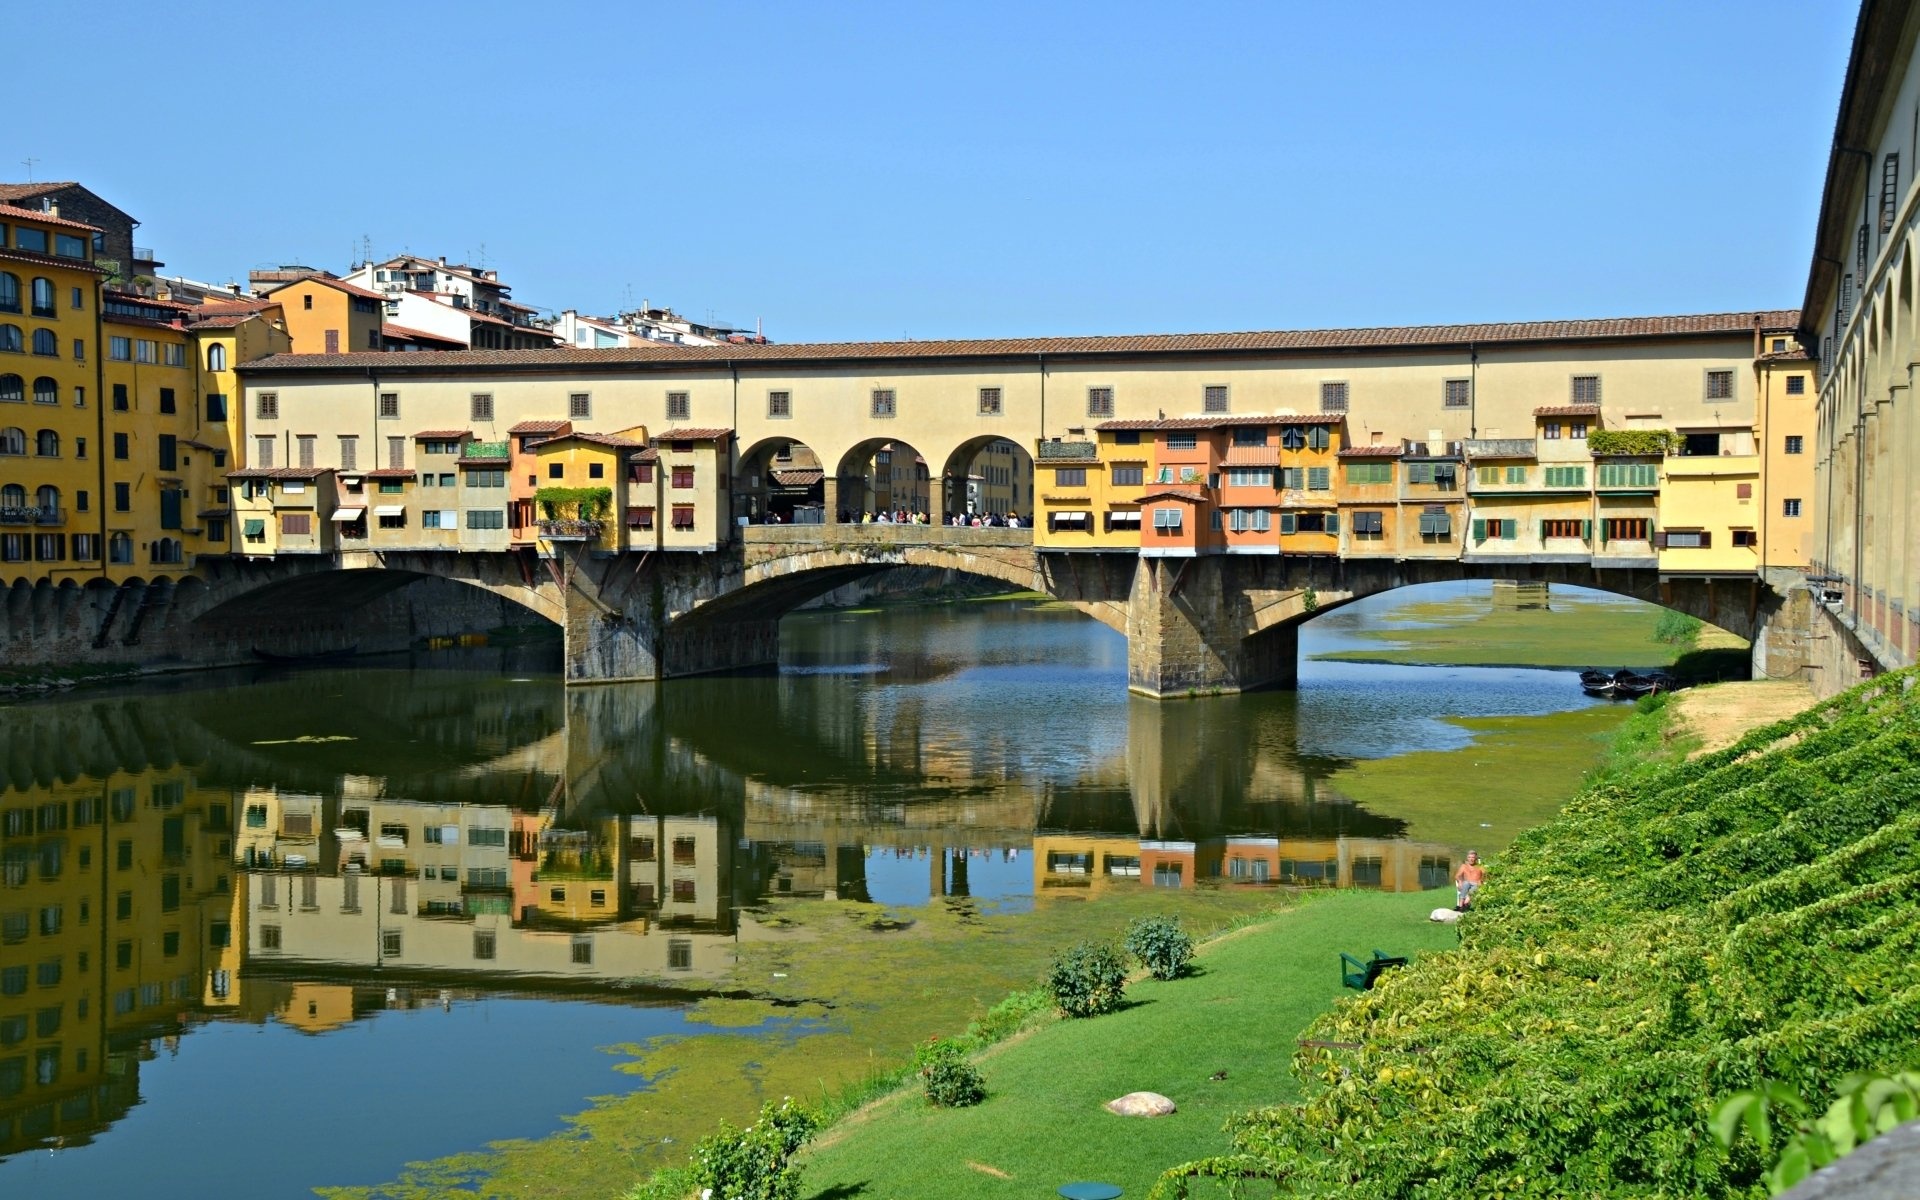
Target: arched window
13, 440
46, 342
46, 391
13, 497
216, 357
42, 297
47, 498
165, 550
9, 292
119, 548
10, 339
13, 388
47, 444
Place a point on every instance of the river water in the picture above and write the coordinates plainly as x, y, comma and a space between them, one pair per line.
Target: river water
266, 930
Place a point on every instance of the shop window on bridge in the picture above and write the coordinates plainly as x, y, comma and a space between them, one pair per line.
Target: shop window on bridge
1436, 526
683, 516
1495, 528
1184, 440
1067, 477
639, 518
1249, 435
1686, 539
1624, 529
1364, 473
1566, 476
1580, 530
1249, 520
1632, 475
1121, 866
1168, 520
1136, 476
1168, 875
1368, 526
1745, 537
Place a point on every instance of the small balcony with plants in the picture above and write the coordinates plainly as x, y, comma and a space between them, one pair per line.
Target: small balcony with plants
573, 514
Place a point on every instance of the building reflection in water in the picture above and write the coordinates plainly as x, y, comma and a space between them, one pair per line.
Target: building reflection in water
163, 864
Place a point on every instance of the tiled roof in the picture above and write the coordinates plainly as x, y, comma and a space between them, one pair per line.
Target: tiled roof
1172, 494
545, 425
441, 435
389, 473
1162, 423
1794, 355
1415, 337
1251, 456
692, 435
49, 260
798, 476
15, 212
226, 320
598, 439
278, 472
1568, 410
406, 333
338, 285
1389, 450
24, 191
647, 455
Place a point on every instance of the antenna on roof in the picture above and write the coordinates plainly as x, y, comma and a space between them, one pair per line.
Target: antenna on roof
28, 164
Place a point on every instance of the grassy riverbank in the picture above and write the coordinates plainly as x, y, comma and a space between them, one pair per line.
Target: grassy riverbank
1471, 631
1469, 797
1043, 1125
1688, 927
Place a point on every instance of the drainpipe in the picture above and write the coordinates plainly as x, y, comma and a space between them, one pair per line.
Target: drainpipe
100, 414
1473, 390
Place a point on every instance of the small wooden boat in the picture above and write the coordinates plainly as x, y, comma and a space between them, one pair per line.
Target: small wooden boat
324, 656
1598, 683
1633, 684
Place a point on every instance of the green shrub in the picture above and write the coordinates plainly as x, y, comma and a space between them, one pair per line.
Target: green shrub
1677, 628
756, 1163
1641, 442
950, 1080
1162, 947
1088, 979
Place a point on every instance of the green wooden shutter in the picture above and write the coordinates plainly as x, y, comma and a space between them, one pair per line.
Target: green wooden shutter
1289, 523
1479, 530
170, 509
1586, 532
1333, 522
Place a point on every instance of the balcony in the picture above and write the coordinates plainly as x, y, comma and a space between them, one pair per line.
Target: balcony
32, 516
1066, 450
1500, 448
570, 529
484, 451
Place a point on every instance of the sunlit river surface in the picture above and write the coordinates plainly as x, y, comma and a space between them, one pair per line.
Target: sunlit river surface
266, 930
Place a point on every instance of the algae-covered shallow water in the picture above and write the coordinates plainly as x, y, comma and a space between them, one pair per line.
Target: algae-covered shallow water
413, 908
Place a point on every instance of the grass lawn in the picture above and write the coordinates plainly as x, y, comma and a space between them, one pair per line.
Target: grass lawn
1042, 1123
1472, 632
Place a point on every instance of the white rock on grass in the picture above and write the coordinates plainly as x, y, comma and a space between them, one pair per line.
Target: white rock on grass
1444, 915
1141, 1104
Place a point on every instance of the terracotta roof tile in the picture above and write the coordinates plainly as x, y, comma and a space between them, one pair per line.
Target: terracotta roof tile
23, 191
544, 425
49, 260
1416, 337
598, 439
647, 455
1567, 410
278, 472
1394, 450
406, 333
798, 476
338, 285
1172, 494
15, 212
441, 435
390, 473
692, 435
227, 320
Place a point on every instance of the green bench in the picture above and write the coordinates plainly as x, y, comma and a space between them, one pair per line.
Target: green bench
1360, 975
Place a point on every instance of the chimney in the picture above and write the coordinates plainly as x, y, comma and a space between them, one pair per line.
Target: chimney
234, 288
443, 260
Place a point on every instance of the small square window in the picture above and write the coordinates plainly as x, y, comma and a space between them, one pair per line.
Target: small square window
580, 406
482, 406
1333, 397
1459, 393
679, 406
883, 402
1796, 385
779, 404
989, 401
1796, 444
1214, 398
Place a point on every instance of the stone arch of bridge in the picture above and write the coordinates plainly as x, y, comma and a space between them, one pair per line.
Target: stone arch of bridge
331, 586
779, 578
995, 467
884, 474
780, 477
1737, 607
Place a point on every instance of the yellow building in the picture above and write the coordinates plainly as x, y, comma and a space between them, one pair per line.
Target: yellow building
51, 514
154, 467
1785, 430
583, 485
693, 488
330, 316
226, 335
283, 510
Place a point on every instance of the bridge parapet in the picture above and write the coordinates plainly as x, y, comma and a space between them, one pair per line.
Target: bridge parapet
786, 539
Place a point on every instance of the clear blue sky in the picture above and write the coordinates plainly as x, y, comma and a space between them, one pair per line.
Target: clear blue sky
848, 171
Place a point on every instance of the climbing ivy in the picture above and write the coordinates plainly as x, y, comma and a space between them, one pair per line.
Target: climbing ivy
1681, 933
587, 504
1653, 442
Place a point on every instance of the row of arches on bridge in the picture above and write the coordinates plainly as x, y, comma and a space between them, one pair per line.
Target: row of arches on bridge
788, 481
